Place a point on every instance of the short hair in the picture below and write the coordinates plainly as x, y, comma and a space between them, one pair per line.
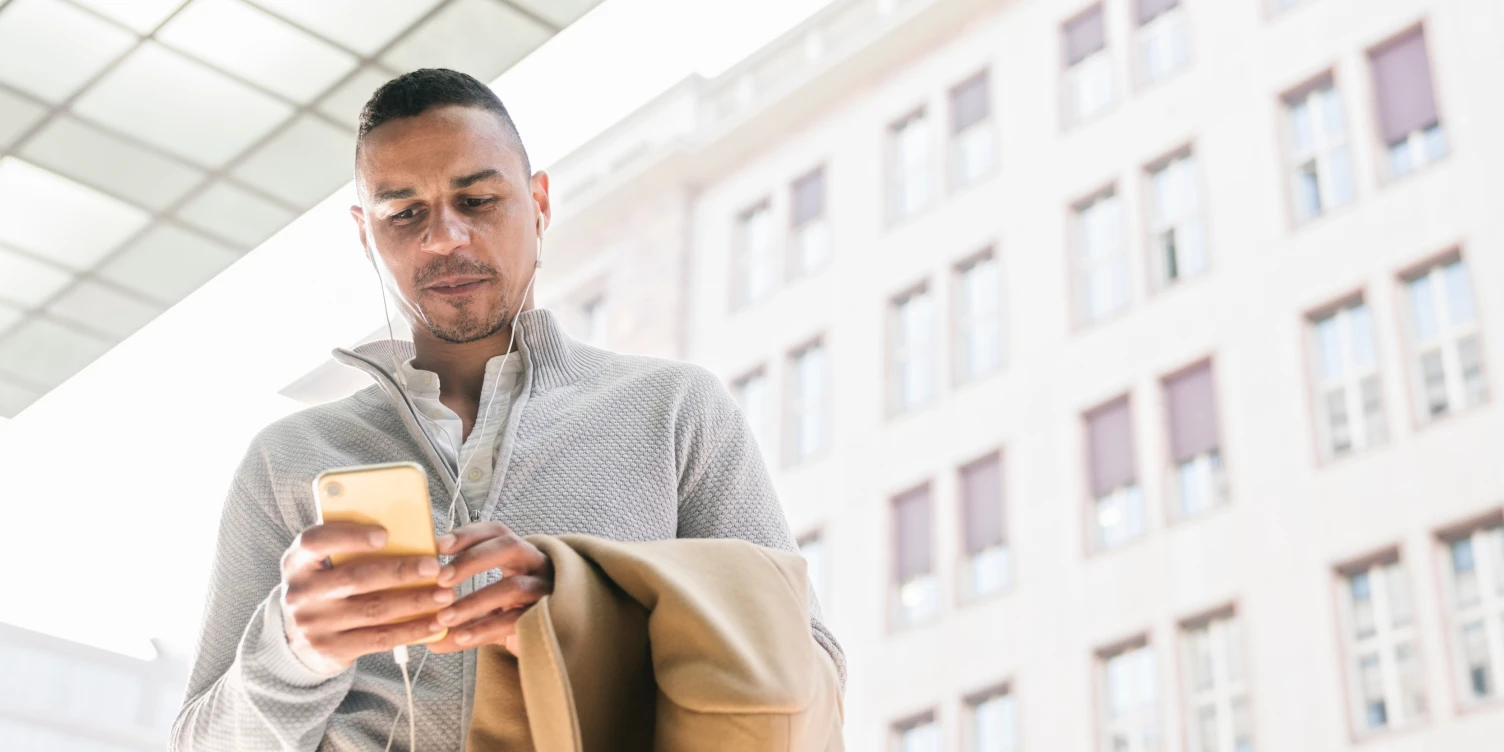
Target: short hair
414, 93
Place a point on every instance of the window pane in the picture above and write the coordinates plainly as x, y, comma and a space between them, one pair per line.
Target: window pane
1242, 726
996, 725
1479, 678
1371, 679
1331, 113
1475, 389
922, 738
1397, 590
1307, 191
1373, 411
1423, 308
1412, 686
1360, 320
1302, 133
1339, 176
1434, 381
1206, 729
1339, 432
1362, 594
1464, 572
1329, 348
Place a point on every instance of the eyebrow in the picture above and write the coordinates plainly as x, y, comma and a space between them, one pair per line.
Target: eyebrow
466, 181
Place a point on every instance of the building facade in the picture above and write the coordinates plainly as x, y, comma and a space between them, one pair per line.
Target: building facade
1128, 368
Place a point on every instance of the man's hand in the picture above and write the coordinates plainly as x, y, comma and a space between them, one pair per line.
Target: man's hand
341, 613
489, 615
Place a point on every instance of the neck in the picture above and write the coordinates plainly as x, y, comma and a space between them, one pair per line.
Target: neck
461, 366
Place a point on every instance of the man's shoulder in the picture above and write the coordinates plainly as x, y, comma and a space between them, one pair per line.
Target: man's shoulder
336, 418
666, 375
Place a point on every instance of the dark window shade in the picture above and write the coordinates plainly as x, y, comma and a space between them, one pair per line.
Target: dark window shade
911, 534
1109, 431
982, 502
969, 103
1148, 9
1193, 413
809, 197
1402, 75
1084, 35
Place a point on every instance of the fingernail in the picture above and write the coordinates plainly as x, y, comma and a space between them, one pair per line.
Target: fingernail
446, 572
435, 626
462, 637
378, 538
446, 616
428, 567
446, 540
443, 596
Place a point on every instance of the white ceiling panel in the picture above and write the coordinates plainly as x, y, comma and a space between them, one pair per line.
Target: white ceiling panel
235, 215
98, 158
17, 115
14, 399
345, 103
560, 13
56, 218
362, 25
250, 43
28, 282
45, 353
478, 37
170, 101
168, 263
9, 315
305, 163
141, 15
49, 48
103, 309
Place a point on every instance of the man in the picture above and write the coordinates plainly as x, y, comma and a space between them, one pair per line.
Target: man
295, 654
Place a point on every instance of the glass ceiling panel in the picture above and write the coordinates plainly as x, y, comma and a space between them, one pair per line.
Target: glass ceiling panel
362, 25
58, 219
49, 48
110, 163
480, 37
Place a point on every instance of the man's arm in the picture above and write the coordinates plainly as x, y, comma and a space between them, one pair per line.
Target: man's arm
724, 487
248, 689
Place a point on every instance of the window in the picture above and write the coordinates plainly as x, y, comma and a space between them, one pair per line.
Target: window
594, 315
817, 563
1216, 690
809, 402
910, 190
979, 317
1349, 401
918, 735
987, 568
1195, 447
917, 587
973, 139
992, 722
1473, 563
1129, 704
1163, 42
751, 392
752, 278
1387, 687
1177, 234
1118, 510
913, 358
1446, 348
810, 246
1408, 123
1101, 261
1088, 67
1322, 168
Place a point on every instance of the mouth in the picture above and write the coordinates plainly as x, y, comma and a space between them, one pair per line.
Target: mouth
455, 286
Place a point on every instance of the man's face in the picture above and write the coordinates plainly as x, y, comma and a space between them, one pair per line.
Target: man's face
446, 206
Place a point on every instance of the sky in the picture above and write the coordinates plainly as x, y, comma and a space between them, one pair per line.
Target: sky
112, 483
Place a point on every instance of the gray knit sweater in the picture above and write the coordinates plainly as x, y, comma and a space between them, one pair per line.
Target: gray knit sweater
624, 447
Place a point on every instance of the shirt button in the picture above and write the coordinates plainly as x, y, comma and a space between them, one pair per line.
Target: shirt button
475, 473
475, 516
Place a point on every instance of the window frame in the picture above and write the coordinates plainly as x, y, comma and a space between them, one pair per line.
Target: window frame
1142, 32
741, 298
1068, 72
1352, 386
1225, 693
971, 701
960, 322
898, 621
1104, 726
1447, 340
792, 248
793, 393
1158, 284
898, 728
1222, 478
1090, 507
986, 126
759, 371
893, 186
965, 588
1416, 138
1076, 236
1381, 643
1321, 152
899, 357
1490, 608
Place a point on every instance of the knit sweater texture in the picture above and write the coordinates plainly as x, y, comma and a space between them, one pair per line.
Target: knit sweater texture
625, 447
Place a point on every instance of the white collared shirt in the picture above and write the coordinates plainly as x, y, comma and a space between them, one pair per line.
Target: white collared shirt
477, 451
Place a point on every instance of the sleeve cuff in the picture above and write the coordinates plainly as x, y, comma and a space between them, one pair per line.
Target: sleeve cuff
275, 655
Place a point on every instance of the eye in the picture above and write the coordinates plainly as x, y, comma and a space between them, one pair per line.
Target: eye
476, 203
404, 214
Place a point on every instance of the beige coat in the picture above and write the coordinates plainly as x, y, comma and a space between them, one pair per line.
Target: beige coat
688, 644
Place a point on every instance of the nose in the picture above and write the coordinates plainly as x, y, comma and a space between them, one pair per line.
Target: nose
447, 232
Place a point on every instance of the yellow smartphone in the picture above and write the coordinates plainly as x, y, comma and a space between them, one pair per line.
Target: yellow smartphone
393, 495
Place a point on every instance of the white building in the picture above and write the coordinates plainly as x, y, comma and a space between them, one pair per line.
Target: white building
1128, 367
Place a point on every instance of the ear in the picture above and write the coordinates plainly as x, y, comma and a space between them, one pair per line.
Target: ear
359, 215
539, 186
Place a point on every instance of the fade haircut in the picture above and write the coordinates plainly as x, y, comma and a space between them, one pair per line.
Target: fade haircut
412, 94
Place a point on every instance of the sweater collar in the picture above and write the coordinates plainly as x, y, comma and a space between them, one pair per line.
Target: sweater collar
552, 357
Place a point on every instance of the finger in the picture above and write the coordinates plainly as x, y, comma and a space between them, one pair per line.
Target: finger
509, 552
372, 609
352, 644
511, 592
316, 543
466, 536
491, 629
357, 577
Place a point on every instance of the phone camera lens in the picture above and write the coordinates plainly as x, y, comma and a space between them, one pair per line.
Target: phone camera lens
334, 489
